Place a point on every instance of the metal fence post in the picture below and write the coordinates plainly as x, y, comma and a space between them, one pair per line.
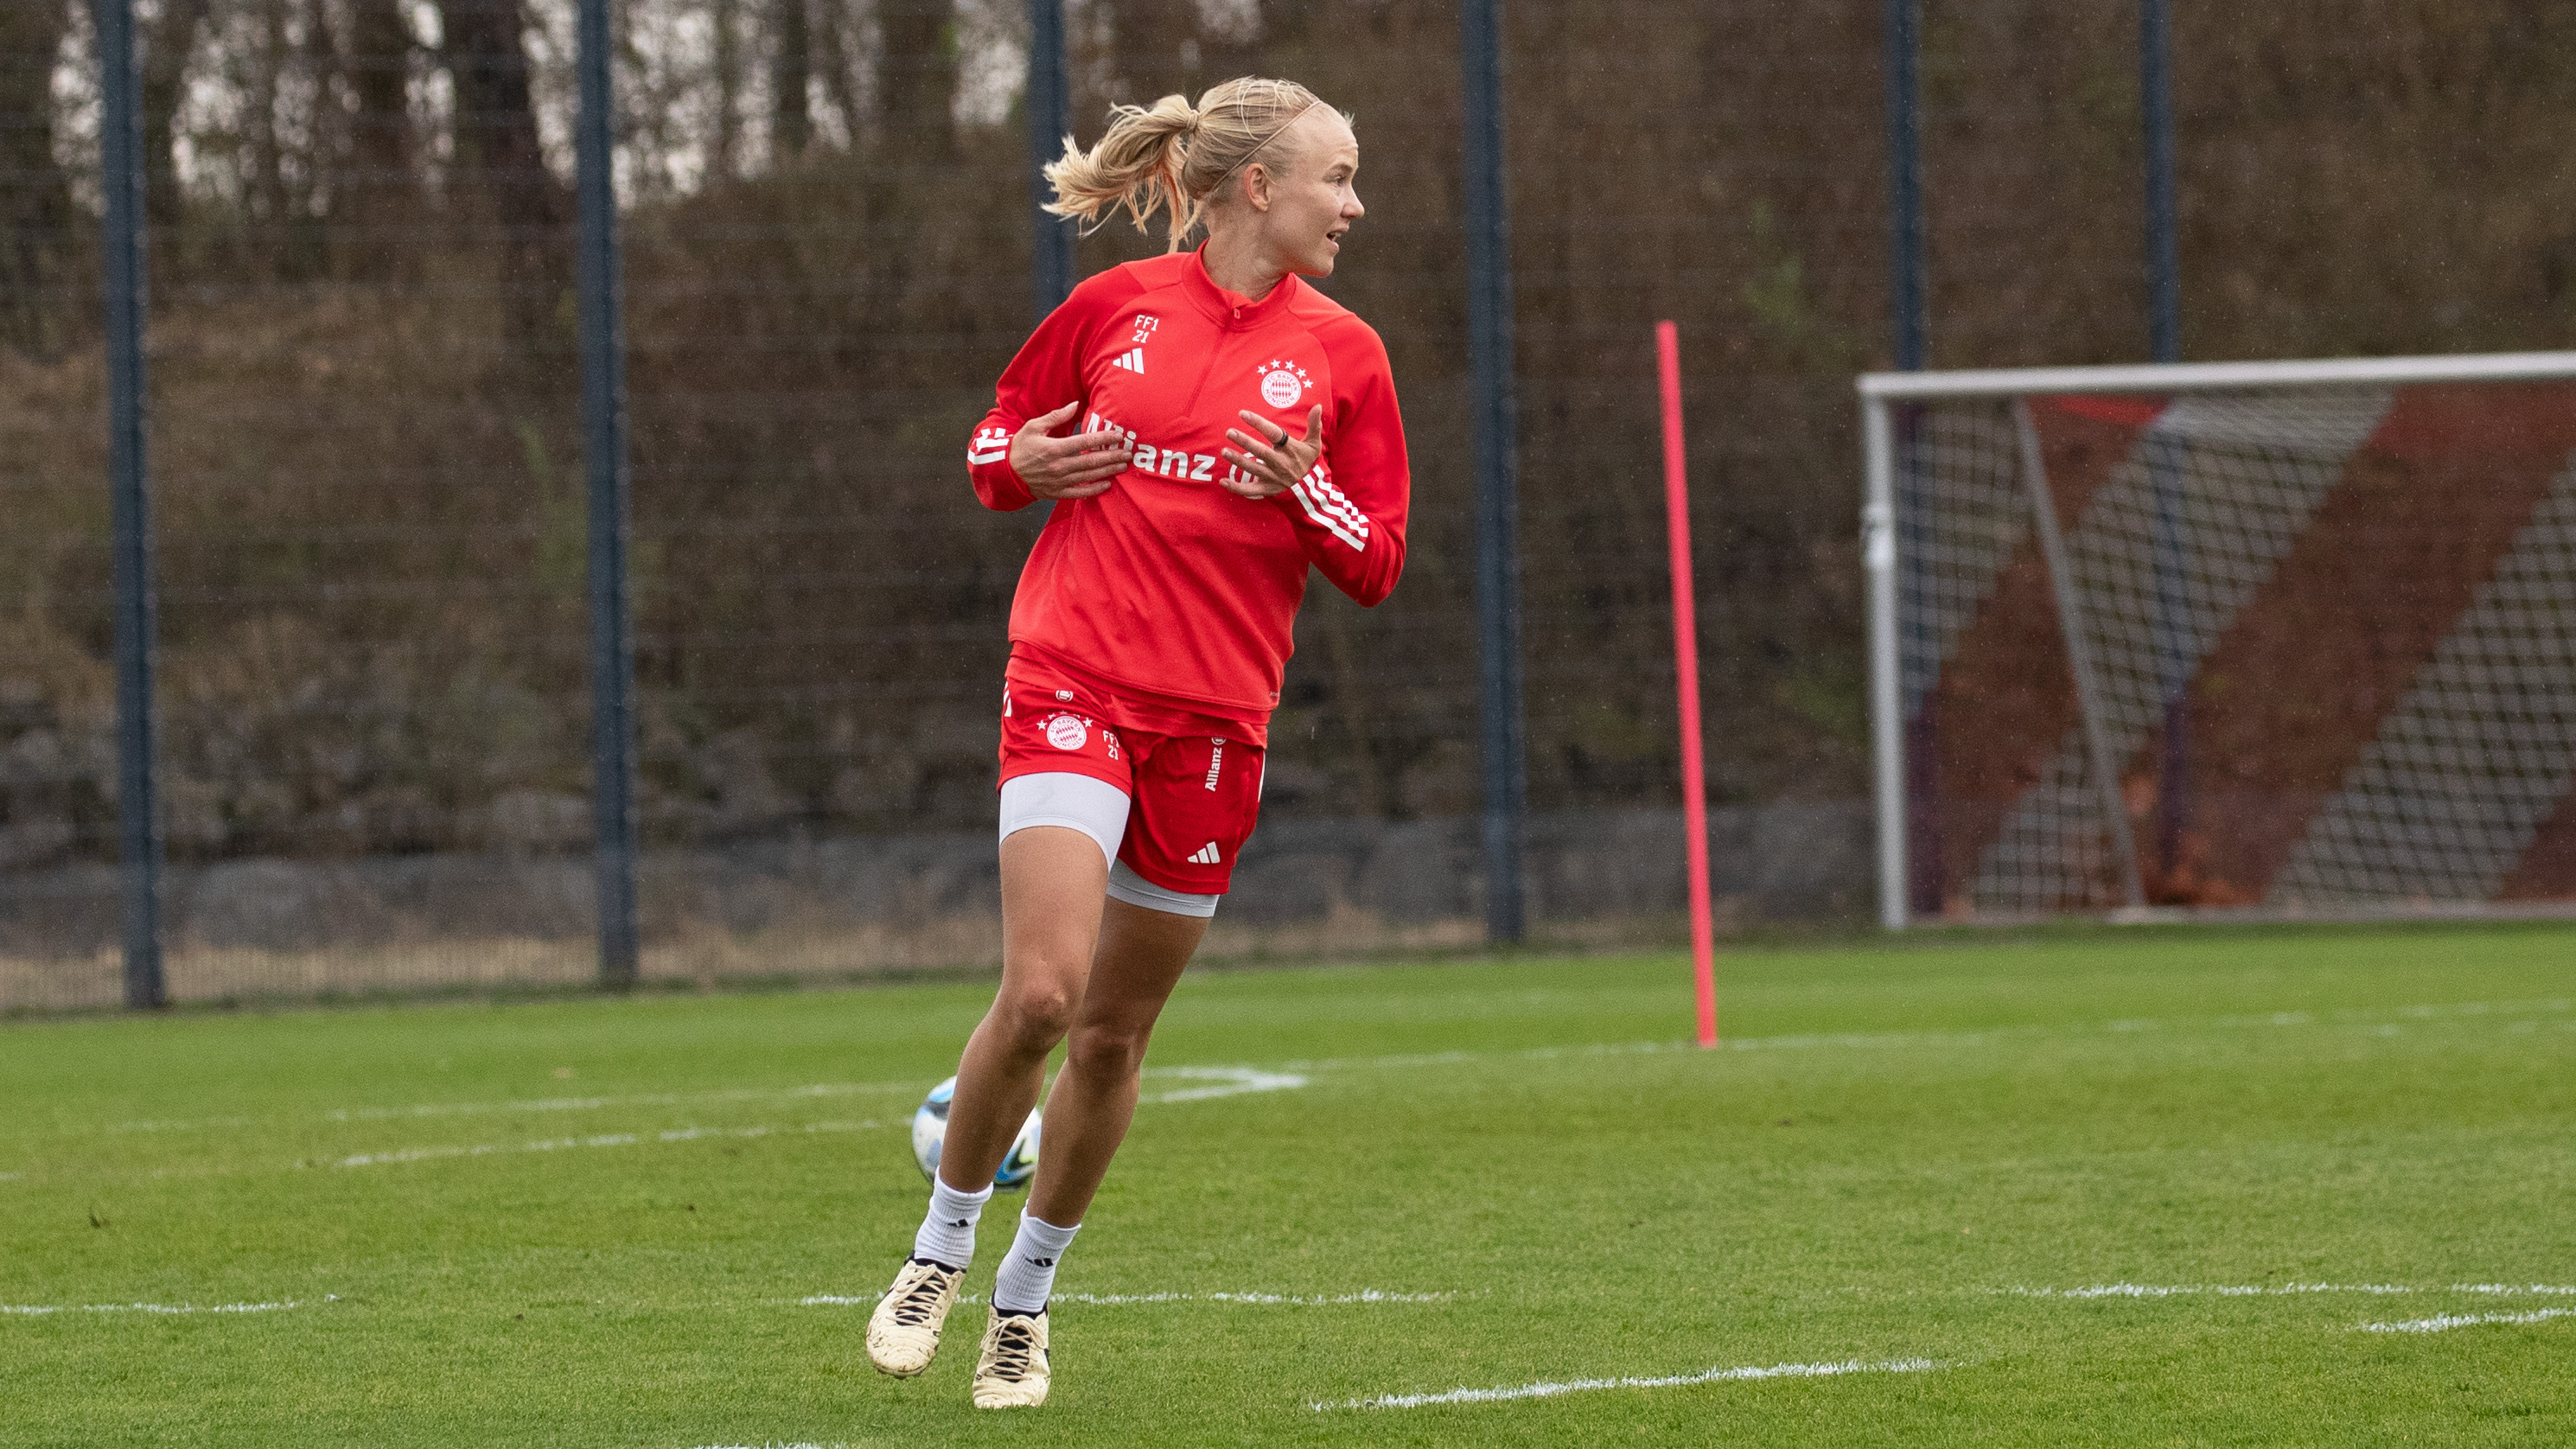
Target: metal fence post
1905, 181
138, 795
1050, 117
2164, 247
603, 407
1494, 422
2164, 462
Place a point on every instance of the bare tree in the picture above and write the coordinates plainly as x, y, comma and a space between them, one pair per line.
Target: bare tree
382, 189
497, 145
724, 161
269, 60
1158, 49
836, 50
791, 74
167, 46
917, 75
35, 199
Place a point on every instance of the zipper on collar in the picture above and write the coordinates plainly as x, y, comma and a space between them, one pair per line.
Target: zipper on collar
1229, 309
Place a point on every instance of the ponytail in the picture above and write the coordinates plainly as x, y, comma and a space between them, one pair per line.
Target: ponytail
1137, 164
1172, 158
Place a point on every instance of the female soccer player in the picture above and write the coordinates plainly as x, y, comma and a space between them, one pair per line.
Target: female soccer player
1207, 426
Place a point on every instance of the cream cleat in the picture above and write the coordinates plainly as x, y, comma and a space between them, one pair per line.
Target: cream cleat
1011, 1373
903, 1332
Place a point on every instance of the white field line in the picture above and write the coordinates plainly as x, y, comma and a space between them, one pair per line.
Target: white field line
778, 1444
1212, 1082
2272, 1290
1300, 1300
38, 1310
1296, 1300
532, 1104
1243, 1074
1230, 1081
2220, 1290
174, 1125
605, 1139
1222, 1082
2442, 1321
1226, 1082
639, 1099
1865, 1041
1577, 1386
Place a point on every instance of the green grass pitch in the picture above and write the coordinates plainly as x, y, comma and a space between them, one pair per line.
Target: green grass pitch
2101, 1188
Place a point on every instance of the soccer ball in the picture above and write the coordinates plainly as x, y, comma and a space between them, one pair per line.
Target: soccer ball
930, 1128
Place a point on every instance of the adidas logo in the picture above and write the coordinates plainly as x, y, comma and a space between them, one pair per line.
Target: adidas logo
1205, 855
1133, 360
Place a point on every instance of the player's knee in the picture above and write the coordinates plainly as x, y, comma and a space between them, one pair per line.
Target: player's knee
1036, 1014
1107, 1051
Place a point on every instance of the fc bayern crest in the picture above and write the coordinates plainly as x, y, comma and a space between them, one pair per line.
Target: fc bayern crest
1283, 384
1067, 733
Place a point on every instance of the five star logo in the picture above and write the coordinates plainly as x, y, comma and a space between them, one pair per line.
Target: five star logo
1283, 384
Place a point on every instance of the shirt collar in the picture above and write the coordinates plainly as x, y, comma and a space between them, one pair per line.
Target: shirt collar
1232, 308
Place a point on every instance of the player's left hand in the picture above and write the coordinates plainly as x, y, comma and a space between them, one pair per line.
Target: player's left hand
1271, 464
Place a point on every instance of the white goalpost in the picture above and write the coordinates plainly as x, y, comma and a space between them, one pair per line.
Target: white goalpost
2271, 639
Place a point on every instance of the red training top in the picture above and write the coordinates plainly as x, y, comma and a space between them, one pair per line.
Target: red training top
1167, 584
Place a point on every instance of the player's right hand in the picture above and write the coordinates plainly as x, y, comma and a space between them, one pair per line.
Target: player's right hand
1074, 467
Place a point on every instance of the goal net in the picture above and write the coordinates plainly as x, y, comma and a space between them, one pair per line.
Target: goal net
2281, 638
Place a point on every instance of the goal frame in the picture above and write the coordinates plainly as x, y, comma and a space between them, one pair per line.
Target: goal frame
1881, 393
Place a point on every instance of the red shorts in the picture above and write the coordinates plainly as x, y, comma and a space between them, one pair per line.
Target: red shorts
1192, 797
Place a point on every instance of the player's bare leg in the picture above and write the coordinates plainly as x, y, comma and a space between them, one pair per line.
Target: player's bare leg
1141, 955
1053, 887
1052, 884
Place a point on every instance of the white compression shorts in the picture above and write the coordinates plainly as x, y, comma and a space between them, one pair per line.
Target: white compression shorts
1097, 809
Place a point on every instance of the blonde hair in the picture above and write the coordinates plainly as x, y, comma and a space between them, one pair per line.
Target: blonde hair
1172, 158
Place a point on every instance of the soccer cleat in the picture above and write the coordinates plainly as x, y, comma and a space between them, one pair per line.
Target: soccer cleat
903, 1332
1012, 1371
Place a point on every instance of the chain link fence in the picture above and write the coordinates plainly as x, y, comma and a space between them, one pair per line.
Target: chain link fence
368, 456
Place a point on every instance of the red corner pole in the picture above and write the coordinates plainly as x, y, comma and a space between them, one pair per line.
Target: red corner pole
1668, 363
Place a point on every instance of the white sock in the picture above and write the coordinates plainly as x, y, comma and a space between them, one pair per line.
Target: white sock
1028, 1274
947, 1235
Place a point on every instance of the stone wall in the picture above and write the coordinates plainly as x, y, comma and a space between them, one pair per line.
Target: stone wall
882, 904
